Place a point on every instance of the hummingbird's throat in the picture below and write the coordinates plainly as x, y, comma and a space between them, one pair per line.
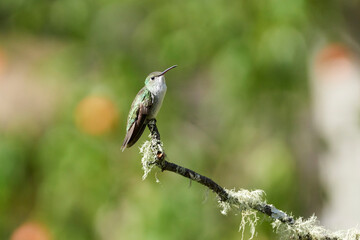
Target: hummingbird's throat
158, 86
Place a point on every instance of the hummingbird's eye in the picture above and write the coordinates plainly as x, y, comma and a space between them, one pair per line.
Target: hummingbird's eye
152, 78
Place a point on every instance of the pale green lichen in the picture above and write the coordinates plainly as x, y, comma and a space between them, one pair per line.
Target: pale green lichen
156, 178
310, 227
248, 217
244, 200
241, 200
149, 150
147, 158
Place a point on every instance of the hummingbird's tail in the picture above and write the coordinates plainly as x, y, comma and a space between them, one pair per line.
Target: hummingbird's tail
123, 148
133, 135
125, 143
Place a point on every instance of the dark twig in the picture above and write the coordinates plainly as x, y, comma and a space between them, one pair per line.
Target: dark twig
287, 225
164, 165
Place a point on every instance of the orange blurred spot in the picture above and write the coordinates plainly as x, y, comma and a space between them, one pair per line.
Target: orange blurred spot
331, 53
96, 115
334, 59
31, 231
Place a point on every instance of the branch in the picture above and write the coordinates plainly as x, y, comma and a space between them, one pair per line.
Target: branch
248, 202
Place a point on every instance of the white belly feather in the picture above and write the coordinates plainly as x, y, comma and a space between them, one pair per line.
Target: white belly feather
158, 94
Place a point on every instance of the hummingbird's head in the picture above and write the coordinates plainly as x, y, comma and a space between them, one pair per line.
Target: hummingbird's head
156, 80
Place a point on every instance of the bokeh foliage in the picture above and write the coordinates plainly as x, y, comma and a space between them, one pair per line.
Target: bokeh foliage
231, 111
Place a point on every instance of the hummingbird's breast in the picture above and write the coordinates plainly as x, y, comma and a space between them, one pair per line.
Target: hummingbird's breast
158, 95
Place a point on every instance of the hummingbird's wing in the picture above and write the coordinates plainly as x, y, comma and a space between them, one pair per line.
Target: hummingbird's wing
140, 109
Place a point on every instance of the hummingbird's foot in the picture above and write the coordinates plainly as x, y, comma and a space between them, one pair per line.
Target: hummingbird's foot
160, 156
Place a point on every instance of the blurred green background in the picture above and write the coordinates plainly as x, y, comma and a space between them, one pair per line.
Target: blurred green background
237, 110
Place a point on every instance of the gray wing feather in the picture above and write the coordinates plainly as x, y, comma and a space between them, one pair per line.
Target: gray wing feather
137, 127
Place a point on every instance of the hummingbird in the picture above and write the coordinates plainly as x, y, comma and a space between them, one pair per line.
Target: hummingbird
145, 106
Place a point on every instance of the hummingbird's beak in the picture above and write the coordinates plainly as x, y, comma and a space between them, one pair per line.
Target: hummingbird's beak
166, 70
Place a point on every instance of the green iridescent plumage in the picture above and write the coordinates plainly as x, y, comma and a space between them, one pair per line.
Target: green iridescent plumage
143, 97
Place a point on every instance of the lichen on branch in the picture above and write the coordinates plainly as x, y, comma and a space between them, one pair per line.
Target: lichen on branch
148, 157
248, 203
